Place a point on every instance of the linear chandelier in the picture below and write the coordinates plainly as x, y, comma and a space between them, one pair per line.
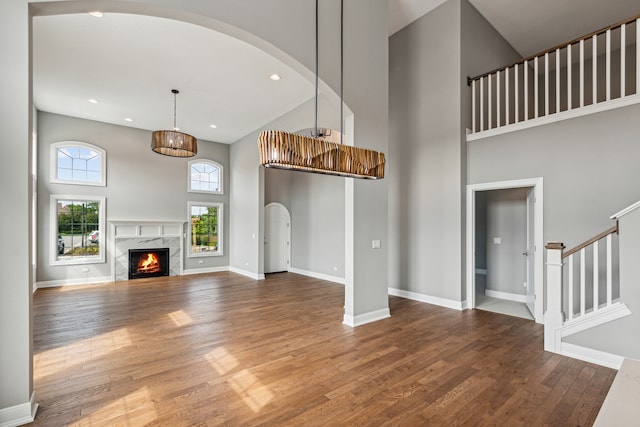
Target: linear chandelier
171, 142
292, 151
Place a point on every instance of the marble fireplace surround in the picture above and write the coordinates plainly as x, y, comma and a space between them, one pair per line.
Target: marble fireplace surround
136, 234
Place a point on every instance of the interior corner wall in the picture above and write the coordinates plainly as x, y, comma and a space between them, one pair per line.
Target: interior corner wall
15, 174
425, 155
141, 185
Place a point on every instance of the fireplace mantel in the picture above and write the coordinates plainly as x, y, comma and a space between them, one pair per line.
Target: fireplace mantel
137, 234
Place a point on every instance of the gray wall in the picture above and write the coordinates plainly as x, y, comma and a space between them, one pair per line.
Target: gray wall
507, 220
141, 185
429, 62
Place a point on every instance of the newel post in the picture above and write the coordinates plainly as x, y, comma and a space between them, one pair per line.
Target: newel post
553, 317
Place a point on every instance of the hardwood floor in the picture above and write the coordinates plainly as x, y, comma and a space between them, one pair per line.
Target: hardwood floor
221, 349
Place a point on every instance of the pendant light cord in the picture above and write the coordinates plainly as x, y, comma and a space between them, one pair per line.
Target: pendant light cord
316, 111
341, 71
175, 93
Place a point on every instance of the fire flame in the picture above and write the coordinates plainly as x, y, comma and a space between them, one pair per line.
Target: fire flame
151, 264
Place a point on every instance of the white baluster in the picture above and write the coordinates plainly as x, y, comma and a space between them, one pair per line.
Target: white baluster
609, 271
516, 90
481, 104
489, 102
535, 87
608, 65
473, 106
570, 280
582, 282
623, 60
595, 276
582, 73
525, 69
546, 84
569, 64
498, 100
506, 96
557, 80
594, 61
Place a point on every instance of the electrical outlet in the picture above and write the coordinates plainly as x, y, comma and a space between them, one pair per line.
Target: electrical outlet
375, 244
200, 261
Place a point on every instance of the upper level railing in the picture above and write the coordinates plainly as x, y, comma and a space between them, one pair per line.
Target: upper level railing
599, 68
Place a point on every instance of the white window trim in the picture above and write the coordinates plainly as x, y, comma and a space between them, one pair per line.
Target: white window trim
220, 176
53, 226
220, 251
54, 163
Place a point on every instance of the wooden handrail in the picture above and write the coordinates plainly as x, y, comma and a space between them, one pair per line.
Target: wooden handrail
583, 245
553, 49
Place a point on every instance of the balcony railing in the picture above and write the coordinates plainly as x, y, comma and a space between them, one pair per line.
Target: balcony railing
598, 71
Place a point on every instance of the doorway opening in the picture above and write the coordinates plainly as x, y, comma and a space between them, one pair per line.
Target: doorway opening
504, 248
277, 238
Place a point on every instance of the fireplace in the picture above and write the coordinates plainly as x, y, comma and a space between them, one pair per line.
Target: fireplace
148, 263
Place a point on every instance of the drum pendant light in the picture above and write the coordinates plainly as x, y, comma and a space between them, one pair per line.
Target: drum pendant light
171, 142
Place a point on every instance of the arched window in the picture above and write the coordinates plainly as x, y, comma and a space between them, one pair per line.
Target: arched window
205, 176
75, 162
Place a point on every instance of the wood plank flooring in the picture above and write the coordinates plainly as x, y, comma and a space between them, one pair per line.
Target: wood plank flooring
222, 349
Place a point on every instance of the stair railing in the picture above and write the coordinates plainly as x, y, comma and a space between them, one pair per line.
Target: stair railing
541, 85
576, 306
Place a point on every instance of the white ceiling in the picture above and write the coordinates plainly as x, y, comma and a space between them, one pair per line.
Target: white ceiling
130, 63
531, 26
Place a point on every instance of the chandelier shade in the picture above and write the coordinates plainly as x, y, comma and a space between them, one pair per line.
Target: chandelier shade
283, 150
315, 153
171, 142
174, 143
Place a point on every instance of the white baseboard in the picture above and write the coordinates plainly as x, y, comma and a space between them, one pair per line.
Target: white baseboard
73, 282
204, 270
442, 302
506, 295
363, 319
254, 276
590, 355
589, 320
328, 278
19, 414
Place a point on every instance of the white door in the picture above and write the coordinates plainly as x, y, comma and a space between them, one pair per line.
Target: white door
277, 238
529, 253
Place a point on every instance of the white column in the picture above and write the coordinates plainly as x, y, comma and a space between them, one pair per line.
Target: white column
553, 317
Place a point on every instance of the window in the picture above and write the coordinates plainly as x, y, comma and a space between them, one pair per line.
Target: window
74, 162
77, 230
205, 176
205, 229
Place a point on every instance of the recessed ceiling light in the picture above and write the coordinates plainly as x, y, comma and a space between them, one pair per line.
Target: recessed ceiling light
93, 101
213, 126
128, 119
96, 14
275, 77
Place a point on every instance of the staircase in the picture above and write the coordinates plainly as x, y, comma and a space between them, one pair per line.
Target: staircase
584, 285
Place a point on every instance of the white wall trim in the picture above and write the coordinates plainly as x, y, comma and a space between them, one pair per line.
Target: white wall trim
442, 302
538, 185
363, 319
328, 278
506, 295
192, 271
626, 210
552, 118
73, 282
254, 276
590, 355
604, 315
18, 415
